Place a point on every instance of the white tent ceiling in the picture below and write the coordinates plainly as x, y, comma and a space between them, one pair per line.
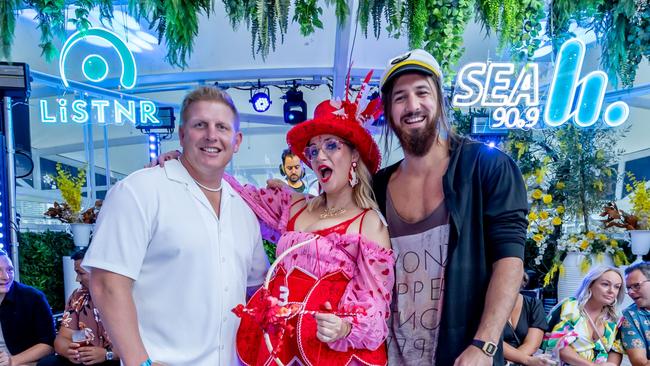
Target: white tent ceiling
224, 55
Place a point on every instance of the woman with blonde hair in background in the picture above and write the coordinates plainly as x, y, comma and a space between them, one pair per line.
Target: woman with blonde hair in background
584, 327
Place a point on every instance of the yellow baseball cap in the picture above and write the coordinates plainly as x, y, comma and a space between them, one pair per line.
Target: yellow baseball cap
413, 61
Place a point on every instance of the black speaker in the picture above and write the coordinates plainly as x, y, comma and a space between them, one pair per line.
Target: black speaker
22, 134
20, 118
14, 79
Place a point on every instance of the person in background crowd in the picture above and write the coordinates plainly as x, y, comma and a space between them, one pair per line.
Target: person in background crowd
82, 338
584, 328
26, 324
174, 249
524, 332
635, 328
292, 169
456, 212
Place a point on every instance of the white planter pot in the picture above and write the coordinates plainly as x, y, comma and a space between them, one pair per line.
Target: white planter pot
81, 234
640, 243
568, 284
69, 277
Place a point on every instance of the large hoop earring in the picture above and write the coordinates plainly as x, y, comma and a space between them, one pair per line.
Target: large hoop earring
352, 179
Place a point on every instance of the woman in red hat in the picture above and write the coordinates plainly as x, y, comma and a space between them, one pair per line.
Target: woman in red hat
329, 298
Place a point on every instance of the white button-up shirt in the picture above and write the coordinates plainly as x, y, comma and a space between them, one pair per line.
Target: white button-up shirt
190, 267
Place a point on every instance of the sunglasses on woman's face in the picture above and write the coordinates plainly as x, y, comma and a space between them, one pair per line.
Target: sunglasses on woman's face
329, 147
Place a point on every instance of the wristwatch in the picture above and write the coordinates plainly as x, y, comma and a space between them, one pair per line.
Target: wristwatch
109, 355
489, 348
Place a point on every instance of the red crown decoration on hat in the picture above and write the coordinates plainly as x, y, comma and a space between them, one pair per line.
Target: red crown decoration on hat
348, 120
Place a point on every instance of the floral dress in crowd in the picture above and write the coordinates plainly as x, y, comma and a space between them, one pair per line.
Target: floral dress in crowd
81, 314
351, 272
572, 329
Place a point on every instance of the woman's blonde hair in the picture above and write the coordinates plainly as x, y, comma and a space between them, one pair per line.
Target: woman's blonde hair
583, 294
362, 193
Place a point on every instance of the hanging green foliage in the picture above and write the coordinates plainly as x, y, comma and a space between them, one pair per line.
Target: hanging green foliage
436, 25
8, 10
517, 23
83, 8
307, 14
623, 27
176, 20
446, 23
50, 15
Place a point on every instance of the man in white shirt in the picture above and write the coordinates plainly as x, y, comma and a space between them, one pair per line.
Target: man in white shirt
176, 247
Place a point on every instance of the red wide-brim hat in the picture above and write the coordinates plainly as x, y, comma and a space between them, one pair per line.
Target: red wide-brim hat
340, 122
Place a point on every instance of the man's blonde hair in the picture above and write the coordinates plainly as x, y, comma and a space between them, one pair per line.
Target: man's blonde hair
210, 94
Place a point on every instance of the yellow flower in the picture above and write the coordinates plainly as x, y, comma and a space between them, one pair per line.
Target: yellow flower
591, 235
602, 237
584, 244
608, 172
556, 221
613, 243
532, 216
537, 194
599, 185
547, 198
560, 185
584, 265
538, 238
70, 186
543, 215
521, 149
560, 209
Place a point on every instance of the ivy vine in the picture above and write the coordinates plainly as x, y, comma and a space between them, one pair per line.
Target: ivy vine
436, 25
622, 26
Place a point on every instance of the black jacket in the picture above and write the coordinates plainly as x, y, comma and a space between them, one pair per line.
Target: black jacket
26, 319
486, 198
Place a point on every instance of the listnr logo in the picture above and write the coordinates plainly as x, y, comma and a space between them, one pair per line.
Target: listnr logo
515, 97
95, 68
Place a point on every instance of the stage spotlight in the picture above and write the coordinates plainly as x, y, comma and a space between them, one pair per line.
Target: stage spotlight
295, 108
260, 100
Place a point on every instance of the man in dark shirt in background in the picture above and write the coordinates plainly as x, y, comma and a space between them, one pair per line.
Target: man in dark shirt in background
27, 327
293, 171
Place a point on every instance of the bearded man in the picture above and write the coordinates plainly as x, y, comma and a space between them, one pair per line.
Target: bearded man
456, 212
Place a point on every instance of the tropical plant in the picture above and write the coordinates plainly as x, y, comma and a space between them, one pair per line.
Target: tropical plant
40, 263
640, 200
568, 174
70, 187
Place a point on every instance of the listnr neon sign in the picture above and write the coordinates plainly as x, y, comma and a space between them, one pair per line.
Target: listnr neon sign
515, 96
95, 69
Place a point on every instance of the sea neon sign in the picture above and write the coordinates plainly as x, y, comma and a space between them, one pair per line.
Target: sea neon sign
95, 69
517, 104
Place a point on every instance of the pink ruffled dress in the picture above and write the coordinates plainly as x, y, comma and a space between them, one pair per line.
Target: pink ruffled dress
362, 270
